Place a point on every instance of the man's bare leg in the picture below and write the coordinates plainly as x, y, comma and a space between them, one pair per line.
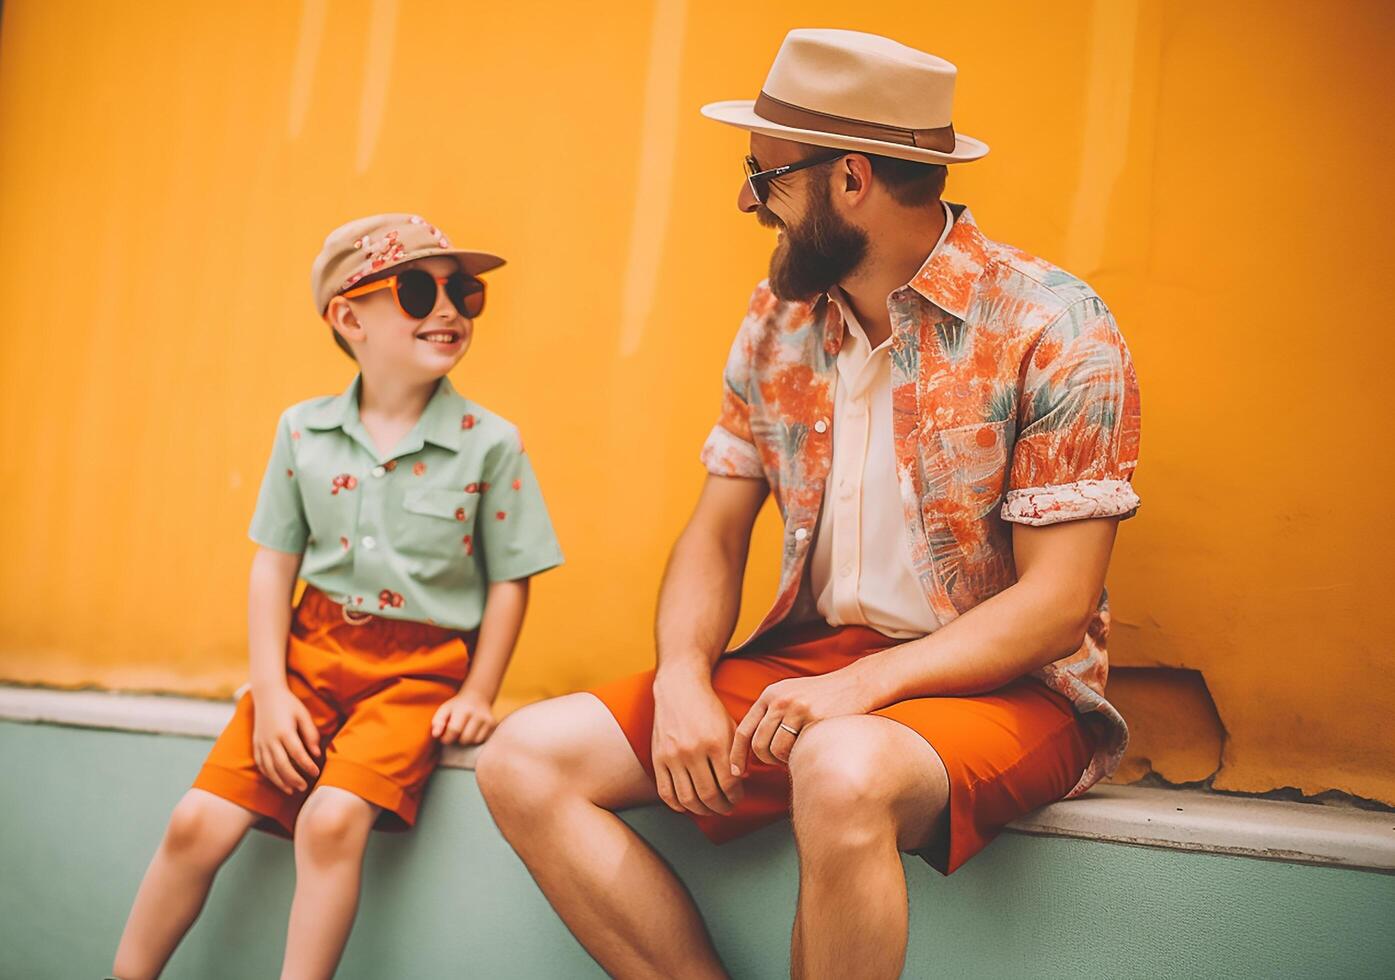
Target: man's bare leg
552, 773
331, 834
865, 788
203, 832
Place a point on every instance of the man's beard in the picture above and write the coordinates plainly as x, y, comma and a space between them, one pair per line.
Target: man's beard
819, 253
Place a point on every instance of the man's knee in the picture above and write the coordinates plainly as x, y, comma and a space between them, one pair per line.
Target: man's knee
519, 761
850, 779
565, 749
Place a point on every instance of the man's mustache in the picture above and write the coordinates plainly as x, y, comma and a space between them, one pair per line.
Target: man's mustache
767, 217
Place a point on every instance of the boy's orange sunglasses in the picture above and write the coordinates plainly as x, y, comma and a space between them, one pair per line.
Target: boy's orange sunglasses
416, 291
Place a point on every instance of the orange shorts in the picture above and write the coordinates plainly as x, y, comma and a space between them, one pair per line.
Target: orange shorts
1006, 753
372, 690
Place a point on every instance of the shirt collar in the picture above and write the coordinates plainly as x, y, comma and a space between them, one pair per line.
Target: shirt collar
949, 275
946, 278
440, 422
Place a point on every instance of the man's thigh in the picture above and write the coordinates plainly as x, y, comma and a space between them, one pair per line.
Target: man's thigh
579, 742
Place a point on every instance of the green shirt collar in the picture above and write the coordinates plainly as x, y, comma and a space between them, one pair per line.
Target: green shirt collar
440, 422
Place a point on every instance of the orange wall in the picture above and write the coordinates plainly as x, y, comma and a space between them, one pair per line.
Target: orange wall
1219, 171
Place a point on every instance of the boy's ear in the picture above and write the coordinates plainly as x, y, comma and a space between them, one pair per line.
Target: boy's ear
340, 316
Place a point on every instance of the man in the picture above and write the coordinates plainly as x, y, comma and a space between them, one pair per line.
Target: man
949, 427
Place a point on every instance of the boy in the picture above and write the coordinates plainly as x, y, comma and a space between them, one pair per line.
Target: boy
414, 517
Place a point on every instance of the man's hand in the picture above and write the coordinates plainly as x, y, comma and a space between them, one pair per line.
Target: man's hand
283, 739
692, 734
465, 719
796, 702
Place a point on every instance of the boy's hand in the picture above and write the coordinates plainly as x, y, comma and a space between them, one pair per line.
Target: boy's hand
465, 719
283, 739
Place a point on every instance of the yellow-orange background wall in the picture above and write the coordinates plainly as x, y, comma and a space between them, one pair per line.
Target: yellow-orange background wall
1218, 171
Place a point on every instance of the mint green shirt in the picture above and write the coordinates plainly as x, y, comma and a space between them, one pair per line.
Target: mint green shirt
417, 533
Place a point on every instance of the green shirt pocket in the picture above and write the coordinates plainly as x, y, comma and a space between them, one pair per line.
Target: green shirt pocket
434, 521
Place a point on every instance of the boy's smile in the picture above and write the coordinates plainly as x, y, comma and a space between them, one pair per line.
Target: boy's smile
449, 339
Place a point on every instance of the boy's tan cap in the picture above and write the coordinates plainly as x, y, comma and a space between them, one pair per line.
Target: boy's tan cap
859, 92
380, 241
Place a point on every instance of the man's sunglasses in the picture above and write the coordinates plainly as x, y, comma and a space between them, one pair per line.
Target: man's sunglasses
416, 291
759, 179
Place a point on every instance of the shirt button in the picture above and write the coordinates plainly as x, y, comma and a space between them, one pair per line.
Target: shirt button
845, 571
370, 542
844, 489
800, 533
820, 426
379, 470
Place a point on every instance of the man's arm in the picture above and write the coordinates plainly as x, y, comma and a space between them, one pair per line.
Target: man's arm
700, 597
698, 606
1042, 617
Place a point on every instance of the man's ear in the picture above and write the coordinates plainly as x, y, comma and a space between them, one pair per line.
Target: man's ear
857, 175
340, 316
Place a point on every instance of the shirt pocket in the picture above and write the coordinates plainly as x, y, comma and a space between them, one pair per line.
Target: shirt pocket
434, 523
973, 463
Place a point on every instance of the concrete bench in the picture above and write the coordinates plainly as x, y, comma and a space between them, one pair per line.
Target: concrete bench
1125, 882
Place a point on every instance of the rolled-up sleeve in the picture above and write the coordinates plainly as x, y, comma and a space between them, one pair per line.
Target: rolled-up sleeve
279, 521
729, 449
1078, 423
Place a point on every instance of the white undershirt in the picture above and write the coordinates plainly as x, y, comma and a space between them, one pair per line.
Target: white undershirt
861, 570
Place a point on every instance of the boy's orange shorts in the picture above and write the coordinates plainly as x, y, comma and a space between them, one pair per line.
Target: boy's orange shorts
372, 690
1006, 753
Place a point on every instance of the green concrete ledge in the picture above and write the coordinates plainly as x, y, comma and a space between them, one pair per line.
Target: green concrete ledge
1191, 820
90, 779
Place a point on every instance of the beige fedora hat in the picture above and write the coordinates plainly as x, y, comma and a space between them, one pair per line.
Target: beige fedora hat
856, 91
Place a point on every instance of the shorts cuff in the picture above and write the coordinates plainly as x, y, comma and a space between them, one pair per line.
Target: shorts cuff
373, 787
252, 794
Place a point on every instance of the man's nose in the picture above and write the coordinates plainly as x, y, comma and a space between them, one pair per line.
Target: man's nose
746, 201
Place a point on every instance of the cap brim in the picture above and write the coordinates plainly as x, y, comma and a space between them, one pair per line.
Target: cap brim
741, 114
473, 263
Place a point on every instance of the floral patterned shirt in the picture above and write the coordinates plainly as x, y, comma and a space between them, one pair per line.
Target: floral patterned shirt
1014, 399
417, 533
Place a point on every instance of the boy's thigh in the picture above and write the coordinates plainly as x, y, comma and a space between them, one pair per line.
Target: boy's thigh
385, 742
578, 740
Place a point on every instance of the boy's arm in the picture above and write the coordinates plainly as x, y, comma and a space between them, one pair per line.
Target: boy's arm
269, 616
284, 736
468, 717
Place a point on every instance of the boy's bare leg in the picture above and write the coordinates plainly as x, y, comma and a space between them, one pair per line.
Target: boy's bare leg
203, 831
331, 834
551, 774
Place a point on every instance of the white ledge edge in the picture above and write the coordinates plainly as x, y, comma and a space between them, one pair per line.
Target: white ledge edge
1191, 820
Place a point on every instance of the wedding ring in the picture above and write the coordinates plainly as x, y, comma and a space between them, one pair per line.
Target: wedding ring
787, 728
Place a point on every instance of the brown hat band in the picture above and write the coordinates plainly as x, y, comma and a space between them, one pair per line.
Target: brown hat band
771, 108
